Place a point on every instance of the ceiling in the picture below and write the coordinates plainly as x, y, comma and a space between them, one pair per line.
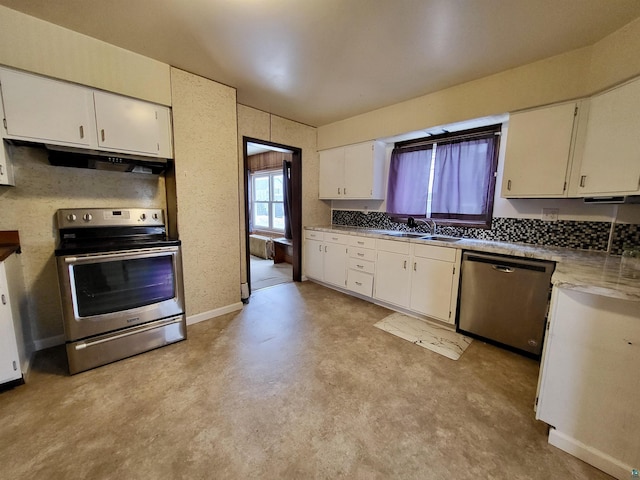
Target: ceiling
319, 61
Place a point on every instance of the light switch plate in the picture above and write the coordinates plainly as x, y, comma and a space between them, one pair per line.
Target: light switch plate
550, 214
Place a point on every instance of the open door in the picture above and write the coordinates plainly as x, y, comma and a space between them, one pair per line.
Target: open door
262, 161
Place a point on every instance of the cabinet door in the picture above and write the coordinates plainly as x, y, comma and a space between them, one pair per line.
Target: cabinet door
538, 152
45, 110
431, 287
611, 158
126, 124
393, 278
332, 173
335, 264
358, 170
313, 257
9, 360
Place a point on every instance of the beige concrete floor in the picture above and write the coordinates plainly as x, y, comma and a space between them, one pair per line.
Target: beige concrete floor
298, 385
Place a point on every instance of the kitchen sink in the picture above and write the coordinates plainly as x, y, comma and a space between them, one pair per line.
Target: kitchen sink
404, 234
440, 238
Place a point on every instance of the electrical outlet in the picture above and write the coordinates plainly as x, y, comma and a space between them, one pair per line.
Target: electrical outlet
550, 214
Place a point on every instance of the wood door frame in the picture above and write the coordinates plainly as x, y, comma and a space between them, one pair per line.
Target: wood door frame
296, 204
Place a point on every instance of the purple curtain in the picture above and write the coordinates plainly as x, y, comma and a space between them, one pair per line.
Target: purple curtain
286, 183
408, 182
461, 177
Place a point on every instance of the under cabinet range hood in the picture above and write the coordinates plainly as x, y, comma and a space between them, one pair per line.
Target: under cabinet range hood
613, 199
98, 160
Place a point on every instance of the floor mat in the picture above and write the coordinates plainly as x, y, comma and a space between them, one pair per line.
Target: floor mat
437, 339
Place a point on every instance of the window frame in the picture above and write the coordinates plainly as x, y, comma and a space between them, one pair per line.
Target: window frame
270, 174
460, 220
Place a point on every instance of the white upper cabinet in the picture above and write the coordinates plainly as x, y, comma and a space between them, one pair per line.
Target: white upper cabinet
538, 153
128, 125
6, 167
44, 110
353, 172
611, 158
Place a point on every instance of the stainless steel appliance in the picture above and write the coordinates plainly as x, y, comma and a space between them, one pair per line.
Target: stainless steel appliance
505, 300
120, 283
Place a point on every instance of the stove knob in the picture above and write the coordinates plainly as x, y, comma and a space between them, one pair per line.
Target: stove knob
155, 216
71, 217
143, 216
87, 217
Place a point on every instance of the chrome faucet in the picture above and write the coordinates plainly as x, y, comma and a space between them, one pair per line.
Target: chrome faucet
429, 222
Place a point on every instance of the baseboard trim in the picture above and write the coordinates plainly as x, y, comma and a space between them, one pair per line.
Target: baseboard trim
48, 342
201, 317
590, 455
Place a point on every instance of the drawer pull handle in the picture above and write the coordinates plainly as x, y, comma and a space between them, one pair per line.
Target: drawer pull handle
415, 265
360, 243
81, 131
334, 238
405, 265
102, 134
358, 283
360, 266
4, 300
361, 254
582, 180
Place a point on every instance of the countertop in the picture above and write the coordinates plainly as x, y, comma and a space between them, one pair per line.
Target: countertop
588, 271
9, 243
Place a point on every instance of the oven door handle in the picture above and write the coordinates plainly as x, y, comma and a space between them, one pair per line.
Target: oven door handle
91, 343
127, 253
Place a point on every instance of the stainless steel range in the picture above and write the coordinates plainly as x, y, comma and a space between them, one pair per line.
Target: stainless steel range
120, 284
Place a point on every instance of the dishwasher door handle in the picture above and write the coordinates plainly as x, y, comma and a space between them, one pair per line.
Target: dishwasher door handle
503, 269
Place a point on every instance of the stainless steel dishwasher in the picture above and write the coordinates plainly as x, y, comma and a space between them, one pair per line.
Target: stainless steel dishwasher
505, 299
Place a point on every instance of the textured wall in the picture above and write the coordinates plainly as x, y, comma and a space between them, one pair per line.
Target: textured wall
206, 182
30, 206
32, 44
263, 126
571, 75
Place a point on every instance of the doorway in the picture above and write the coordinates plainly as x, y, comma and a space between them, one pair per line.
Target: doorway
276, 258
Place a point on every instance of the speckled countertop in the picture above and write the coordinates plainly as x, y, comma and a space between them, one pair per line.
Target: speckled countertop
587, 271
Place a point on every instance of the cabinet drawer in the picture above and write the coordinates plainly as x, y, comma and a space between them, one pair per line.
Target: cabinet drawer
437, 253
393, 246
362, 254
360, 282
313, 235
336, 238
362, 242
362, 265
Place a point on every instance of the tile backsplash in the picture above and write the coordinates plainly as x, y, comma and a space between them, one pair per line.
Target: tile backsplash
587, 235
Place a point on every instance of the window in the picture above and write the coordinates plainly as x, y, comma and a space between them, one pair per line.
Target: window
267, 206
449, 178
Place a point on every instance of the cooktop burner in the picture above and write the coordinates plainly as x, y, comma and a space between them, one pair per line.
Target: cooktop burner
96, 230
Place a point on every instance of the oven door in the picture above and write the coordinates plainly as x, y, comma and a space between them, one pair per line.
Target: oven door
102, 292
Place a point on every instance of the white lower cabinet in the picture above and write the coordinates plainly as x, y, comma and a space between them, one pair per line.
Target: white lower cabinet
435, 272
590, 378
393, 276
418, 277
12, 345
413, 276
361, 266
326, 257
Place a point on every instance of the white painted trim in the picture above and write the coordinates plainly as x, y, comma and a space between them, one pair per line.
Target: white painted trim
201, 317
48, 342
590, 455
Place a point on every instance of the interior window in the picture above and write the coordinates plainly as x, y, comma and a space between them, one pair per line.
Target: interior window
449, 178
267, 207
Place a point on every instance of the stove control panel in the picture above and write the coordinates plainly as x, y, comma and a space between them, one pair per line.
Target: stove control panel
105, 217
